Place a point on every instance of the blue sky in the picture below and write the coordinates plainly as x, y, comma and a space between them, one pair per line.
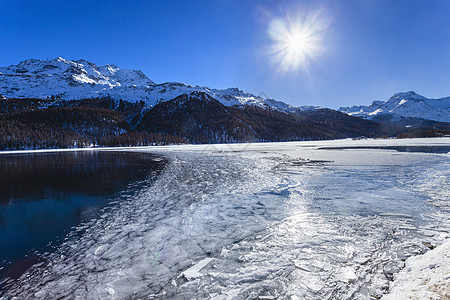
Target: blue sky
371, 49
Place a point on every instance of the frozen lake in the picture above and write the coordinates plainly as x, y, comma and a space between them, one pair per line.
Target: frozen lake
299, 220
44, 195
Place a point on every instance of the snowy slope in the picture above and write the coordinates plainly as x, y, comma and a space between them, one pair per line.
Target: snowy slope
407, 104
80, 79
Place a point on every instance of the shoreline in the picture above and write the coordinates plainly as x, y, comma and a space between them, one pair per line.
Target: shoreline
371, 141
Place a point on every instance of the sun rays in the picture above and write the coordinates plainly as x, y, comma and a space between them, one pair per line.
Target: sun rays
296, 41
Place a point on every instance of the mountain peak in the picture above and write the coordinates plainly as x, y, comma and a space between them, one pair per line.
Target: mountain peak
404, 104
410, 95
59, 58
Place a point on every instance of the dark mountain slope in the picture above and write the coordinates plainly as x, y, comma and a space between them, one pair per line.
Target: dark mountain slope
417, 123
310, 125
195, 118
202, 119
199, 118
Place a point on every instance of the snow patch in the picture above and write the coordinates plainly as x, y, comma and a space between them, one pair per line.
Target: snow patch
424, 277
376, 112
402, 102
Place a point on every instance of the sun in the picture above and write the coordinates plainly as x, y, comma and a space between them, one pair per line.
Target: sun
295, 43
298, 44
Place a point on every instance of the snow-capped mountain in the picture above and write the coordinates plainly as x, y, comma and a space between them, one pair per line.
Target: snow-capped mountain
408, 104
81, 79
68, 79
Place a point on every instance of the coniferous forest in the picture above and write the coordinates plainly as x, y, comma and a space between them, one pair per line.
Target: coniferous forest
194, 118
43, 124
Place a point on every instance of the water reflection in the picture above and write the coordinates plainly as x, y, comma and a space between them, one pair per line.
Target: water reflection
44, 195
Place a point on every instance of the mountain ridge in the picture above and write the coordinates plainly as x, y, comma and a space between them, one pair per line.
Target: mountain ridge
404, 105
64, 79
200, 118
81, 79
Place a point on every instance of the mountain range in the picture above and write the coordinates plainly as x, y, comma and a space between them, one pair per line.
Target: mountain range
74, 80
404, 105
64, 103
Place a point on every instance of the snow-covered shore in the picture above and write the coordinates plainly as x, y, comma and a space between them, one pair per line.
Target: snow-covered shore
425, 276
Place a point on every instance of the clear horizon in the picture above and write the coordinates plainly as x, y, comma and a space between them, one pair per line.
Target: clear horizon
356, 52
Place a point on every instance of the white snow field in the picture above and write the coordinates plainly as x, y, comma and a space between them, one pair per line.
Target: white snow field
298, 220
425, 276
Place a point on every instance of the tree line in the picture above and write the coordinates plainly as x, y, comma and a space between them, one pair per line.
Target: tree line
78, 126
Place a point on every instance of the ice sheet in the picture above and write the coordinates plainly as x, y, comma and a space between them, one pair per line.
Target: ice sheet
277, 220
